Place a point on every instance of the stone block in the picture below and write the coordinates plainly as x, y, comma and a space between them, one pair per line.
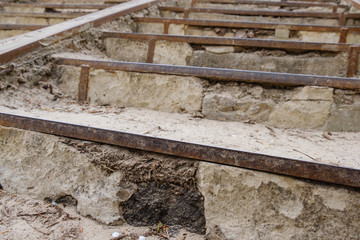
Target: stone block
300, 114
226, 107
158, 92
245, 204
282, 33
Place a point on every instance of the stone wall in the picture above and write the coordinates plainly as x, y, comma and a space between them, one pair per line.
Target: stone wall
111, 184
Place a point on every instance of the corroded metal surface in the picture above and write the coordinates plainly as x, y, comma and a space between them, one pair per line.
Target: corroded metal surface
250, 160
221, 74
243, 42
17, 46
240, 24
274, 3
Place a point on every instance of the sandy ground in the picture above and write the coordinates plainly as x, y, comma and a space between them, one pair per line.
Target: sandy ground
22, 217
338, 148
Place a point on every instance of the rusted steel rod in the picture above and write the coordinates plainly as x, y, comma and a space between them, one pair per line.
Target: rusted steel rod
41, 15
342, 17
10, 49
255, 12
54, 5
244, 42
84, 83
220, 74
274, 3
238, 24
278, 165
353, 61
29, 27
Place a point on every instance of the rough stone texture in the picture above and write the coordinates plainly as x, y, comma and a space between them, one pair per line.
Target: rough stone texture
126, 89
126, 50
10, 33
68, 81
136, 51
344, 118
220, 49
227, 107
353, 37
272, 61
308, 36
104, 181
309, 108
245, 204
282, 33
158, 92
180, 52
40, 166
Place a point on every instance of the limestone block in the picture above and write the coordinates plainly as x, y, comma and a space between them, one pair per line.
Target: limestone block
282, 33
245, 204
344, 118
126, 50
308, 36
353, 37
272, 62
177, 29
68, 81
158, 92
220, 49
10, 33
226, 107
314, 93
174, 53
40, 166
150, 28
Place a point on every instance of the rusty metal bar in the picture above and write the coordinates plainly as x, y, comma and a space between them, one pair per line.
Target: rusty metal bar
329, 15
353, 61
56, 6
220, 74
343, 35
151, 50
244, 42
266, 163
30, 27
166, 28
83, 83
18, 46
254, 25
273, 3
41, 15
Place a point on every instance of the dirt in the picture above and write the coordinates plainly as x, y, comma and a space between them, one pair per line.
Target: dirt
22, 217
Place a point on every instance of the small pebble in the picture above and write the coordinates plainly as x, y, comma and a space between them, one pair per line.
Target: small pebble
142, 238
115, 234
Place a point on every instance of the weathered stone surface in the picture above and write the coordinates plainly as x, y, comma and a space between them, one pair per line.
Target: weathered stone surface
344, 118
10, 33
309, 108
68, 81
245, 204
38, 165
107, 183
307, 36
172, 53
314, 93
282, 33
126, 50
353, 37
136, 51
226, 107
158, 92
220, 49
271, 62
300, 114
